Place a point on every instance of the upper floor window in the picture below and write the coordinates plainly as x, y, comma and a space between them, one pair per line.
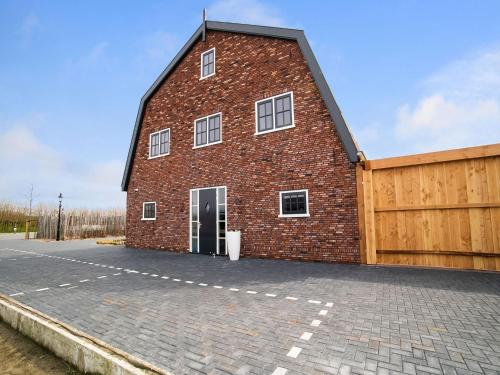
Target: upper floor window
274, 113
159, 143
149, 211
208, 63
208, 130
294, 203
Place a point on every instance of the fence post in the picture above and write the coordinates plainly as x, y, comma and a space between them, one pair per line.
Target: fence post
371, 244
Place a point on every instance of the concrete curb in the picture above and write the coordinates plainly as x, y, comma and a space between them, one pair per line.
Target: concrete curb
85, 352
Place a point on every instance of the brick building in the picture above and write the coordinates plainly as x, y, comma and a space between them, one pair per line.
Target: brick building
241, 132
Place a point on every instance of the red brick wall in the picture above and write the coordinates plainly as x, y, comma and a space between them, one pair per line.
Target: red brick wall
253, 167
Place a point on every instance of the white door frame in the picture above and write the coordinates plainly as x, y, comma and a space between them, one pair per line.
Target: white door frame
198, 216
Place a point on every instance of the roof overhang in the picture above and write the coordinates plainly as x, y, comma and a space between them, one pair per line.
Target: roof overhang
343, 131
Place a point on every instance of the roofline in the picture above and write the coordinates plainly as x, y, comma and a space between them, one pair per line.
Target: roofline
274, 32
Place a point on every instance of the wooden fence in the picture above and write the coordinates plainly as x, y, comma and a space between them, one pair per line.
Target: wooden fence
440, 209
81, 225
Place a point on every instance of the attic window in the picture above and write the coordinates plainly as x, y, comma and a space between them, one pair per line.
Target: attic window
208, 63
274, 113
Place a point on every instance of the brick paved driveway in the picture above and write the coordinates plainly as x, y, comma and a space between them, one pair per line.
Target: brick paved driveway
197, 314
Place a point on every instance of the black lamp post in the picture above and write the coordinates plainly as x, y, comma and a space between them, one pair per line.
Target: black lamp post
58, 236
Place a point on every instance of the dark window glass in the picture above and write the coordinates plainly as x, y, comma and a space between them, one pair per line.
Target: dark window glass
222, 229
149, 211
208, 131
222, 246
201, 132
294, 203
214, 129
164, 142
265, 115
154, 146
208, 63
283, 111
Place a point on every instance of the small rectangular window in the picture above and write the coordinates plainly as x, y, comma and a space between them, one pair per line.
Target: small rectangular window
149, 211
294, 203
208, 63
275, 113
207, 130
159, 143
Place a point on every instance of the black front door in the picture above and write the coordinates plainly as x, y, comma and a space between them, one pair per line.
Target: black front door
208, 221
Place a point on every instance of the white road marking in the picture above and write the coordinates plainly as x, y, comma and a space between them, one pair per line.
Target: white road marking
314, 301
11, 259
177, 280
116, 274
16, 294
165, 277
72, 287
270, 295
329, 304
323, 312
294, 352
233, 289
279, 371
102, 277
84, 281
251, 292
145, 273
306, 336
189, 282
119, 268
41, 289
316, 323
91, 263
63, 285
154, 275
217, 287
111, 267
202, 284
292, 298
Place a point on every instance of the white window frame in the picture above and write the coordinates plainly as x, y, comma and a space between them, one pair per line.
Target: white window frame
206, 118
273, 98
293, 215
201, 64
143, 209
159, 143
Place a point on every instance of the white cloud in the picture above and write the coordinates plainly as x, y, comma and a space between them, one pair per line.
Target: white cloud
160, 45
25, 160
91, 59
461, 106
245, 11
29, 24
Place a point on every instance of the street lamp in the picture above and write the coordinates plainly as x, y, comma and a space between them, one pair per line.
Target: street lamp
58, 236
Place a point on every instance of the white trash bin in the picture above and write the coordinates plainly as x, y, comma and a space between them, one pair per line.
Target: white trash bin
233, 244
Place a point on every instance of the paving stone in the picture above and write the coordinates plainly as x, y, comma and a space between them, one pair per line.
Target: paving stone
383, 320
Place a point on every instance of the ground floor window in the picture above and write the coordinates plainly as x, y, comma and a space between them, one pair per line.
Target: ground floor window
294, 203
149, 211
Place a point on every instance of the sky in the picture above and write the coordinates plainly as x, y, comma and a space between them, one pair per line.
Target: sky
409, 77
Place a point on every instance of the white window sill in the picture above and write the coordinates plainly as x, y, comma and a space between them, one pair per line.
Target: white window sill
208, 144
158, 156
145, 219
210, 75
275, 130
294, 215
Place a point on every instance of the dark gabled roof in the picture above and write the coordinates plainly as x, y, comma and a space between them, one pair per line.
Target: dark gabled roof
273, 32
